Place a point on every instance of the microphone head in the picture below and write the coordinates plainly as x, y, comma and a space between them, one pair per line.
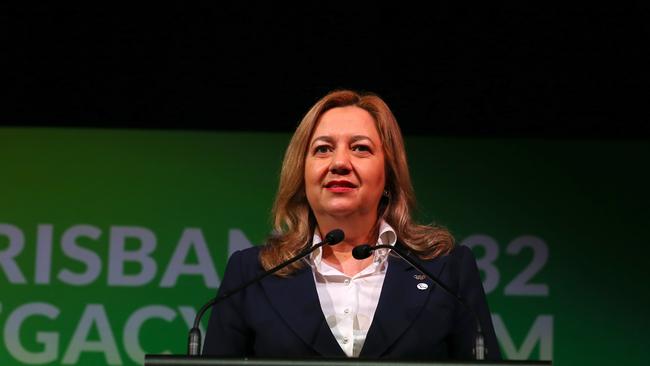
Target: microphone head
334, 237
362, 251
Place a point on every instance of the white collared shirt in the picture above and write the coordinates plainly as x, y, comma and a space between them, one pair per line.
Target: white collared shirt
349, 303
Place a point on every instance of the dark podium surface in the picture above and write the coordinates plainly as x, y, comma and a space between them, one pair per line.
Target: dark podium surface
177, 360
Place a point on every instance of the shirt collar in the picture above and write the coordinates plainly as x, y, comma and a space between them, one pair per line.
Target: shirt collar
387, 236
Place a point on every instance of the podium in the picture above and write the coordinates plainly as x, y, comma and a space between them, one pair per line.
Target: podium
178, 360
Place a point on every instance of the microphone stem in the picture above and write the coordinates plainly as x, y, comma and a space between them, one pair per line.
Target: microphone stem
479, 345
194, 344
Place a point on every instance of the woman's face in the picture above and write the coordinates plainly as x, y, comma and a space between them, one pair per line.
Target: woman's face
344, 166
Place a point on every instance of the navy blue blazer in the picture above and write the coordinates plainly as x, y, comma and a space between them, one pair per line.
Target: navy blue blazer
282, 317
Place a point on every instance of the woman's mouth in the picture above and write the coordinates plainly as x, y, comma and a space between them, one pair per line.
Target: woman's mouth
340, 186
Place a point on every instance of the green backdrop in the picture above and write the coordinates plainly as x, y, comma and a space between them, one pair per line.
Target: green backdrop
110, 240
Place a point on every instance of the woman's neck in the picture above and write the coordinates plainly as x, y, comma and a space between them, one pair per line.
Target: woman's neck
359, 231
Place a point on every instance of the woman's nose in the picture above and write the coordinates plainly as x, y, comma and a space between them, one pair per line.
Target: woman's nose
340, 162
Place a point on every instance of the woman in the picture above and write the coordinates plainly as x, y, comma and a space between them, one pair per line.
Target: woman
345, 168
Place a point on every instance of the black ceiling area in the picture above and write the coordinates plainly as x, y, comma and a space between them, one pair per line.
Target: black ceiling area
506, 69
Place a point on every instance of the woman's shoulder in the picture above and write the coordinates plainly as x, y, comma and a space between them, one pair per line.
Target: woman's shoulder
457, 253
461, 255
248, 256
461, 252
462, 267
459, 260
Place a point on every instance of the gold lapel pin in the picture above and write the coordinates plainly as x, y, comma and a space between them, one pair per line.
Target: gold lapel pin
419, 277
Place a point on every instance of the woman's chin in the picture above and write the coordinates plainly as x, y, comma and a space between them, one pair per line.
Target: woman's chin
342, 211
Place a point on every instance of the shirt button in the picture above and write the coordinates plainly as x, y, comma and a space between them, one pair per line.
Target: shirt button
345, 340
347, 281
347, 311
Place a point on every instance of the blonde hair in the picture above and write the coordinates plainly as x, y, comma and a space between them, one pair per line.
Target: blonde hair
293, 220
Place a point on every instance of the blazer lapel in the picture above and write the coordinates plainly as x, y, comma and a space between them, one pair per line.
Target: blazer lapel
400, 304
296, 300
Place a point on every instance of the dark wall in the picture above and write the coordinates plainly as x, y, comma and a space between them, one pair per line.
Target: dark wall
515, 69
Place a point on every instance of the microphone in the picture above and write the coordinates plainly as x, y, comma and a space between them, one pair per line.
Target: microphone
364, 251
194, 342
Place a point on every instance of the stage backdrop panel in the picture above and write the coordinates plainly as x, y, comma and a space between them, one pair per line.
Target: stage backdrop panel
110, 240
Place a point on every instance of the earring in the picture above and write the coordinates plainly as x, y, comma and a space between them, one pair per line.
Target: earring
386, 193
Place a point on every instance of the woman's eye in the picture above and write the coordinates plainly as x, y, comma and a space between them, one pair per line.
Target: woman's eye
363, 148
321, 149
